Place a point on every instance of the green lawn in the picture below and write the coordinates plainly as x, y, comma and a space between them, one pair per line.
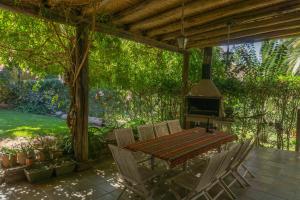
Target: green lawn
14, 124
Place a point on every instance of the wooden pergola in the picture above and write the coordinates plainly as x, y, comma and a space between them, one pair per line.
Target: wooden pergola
157, 23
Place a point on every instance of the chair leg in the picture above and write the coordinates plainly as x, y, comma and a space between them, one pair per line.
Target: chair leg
199, 195
236, 177
121, 193
184, 166
247, 170
207, 195
227, 189
240, 176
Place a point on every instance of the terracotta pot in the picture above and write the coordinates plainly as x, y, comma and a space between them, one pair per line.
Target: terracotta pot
56, 154
5, 160
40, 156
29, 162
21, 158
13, 160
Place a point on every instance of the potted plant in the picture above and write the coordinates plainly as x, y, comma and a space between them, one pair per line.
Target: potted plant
21, 154
42, 148
63, 167
41, 154
55, 151
38, 173
8, 157
29, 156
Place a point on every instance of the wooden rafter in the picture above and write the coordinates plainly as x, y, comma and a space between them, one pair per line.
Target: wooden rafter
145, 9
241, 7
239, 19
104, 28
192, 8
288, 20
40, 11
128, 16
252, 32
276, 34
52, 15
108, 6
68, 2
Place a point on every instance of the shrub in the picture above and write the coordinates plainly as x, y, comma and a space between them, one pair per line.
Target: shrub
44, 96
6, 87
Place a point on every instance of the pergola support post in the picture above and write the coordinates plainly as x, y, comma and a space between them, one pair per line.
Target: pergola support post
207, 61
298, 131
78, 82
185, 77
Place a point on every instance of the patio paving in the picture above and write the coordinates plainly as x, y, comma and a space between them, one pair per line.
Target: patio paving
277, 178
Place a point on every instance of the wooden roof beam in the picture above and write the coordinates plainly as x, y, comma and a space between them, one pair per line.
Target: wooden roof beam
261, 14
192, 8
231, 10
67, 2
288, 19
52, 15
145, 9
39, 11
108, 6
251, 32
103, 28
258, 38
272, 34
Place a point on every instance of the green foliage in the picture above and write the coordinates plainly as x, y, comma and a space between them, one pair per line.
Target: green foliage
6, 92
138, 84
8, 151
42, 97
263, 93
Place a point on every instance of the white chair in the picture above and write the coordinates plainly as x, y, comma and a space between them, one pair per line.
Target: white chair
146, 132
124, 137
161, 129
243, 158
174, 126
235, 164
197, 186
136, 178
225, 167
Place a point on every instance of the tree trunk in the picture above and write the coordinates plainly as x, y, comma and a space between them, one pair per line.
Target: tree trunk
78, 113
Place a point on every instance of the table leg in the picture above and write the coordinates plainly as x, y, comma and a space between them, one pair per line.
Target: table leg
152, 162
184, 166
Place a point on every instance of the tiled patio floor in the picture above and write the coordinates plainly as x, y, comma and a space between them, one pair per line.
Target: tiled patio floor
277, 177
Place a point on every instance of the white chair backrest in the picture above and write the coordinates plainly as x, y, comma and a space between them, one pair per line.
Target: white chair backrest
174, 126
124, 137
240, 153
209, 174
228, 159
126, 164
250, 144
161, 129
146, 132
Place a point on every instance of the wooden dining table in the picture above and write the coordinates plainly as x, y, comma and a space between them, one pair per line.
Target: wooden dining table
179, 147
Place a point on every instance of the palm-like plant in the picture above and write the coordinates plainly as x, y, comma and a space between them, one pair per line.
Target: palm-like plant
293, 59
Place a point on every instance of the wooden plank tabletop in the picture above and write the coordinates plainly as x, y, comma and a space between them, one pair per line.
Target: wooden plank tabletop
179, 147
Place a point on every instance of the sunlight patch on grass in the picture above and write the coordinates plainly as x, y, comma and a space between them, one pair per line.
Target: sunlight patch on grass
23, 131
15, 124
